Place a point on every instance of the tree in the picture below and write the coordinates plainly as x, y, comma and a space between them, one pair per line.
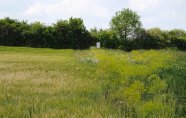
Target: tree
35, 35
61, 33
11, 32
72, 34
49, 37
80, 37
108, 38
156, 38
126, 23
177, 39
94, 35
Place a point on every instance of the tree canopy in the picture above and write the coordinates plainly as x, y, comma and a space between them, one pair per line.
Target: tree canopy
126, 23
125, 33
65, 34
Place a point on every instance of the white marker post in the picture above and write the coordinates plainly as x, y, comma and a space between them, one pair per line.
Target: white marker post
98, 45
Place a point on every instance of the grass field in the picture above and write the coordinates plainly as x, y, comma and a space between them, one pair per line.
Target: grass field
95, 83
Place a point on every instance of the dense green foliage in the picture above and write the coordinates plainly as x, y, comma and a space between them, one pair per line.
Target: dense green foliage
67, 34
36, 83
12, 32
126, 33
126, 23
72, 34
107, 38
154, 38
175, 77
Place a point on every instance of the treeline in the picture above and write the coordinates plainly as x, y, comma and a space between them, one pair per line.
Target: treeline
126, 33
65, 34
154, 38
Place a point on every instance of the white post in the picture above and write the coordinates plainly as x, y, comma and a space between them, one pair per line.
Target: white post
98, 45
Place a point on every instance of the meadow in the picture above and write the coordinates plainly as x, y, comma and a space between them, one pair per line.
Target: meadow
94, 83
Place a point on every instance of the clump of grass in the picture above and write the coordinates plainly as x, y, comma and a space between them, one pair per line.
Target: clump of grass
129, 82
89, 60
175, 76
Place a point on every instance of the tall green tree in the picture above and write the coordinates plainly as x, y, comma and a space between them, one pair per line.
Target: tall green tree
11, 32
79, 36
126, 23
35, 35
72, 34
156, 38
177, 39
62, 33
49, 37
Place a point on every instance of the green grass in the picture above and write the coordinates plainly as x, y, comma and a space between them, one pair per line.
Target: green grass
95, 83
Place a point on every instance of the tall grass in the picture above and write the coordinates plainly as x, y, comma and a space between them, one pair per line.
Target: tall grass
175, 77
37, 83
131, 84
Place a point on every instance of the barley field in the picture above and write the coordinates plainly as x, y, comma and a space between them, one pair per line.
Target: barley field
94, 83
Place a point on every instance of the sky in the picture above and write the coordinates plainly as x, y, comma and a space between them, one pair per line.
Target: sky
165, 14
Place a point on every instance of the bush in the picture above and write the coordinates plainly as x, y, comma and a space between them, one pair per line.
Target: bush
107, 38
178, 39
72, 34
64, 34
155, 39
12, 32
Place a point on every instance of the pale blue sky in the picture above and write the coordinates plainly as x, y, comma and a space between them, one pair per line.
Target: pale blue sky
166, 14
